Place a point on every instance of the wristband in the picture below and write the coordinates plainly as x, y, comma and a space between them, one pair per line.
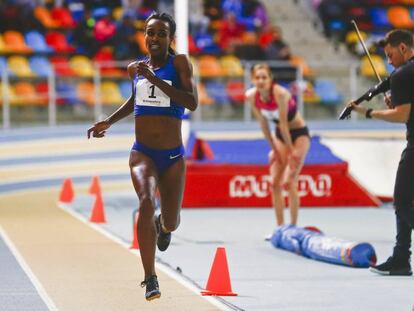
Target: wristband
368, 113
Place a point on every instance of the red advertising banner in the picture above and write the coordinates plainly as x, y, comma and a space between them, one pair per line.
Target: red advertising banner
229, 185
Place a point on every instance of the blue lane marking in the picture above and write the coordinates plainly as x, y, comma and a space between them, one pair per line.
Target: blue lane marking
57, 181
62, 158
16, 290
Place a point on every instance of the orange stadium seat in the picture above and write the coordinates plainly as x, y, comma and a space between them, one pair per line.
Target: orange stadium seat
24, 94
249, 37
85, 91
3, 46
378, 61
209, 67
15, 42
300, 61
45, 18
194, 62
19, 66
110, 93
203, 96
231, 66
399, 17
140, 39
82, 66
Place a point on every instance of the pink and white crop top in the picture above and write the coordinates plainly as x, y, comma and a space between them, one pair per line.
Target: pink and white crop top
270, 109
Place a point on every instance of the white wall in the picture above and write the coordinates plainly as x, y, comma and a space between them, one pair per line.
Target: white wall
373, 162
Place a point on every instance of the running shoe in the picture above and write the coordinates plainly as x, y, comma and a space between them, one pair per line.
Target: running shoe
152, 290
393, 267
164, 238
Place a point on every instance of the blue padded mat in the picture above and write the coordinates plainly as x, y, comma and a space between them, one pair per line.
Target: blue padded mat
256, 151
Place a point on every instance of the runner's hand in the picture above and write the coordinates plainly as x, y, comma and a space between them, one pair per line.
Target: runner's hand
98, 130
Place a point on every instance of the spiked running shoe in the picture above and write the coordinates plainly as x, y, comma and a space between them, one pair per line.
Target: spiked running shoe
393, 267
164, 239
152, 290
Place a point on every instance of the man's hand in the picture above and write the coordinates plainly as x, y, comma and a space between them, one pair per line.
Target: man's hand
98, 130
356, 107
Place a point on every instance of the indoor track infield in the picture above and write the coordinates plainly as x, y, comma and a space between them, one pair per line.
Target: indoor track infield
57, 261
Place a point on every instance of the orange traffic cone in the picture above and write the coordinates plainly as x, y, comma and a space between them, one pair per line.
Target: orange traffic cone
66, 193
95, 187
135, 243
218, 283
98, 213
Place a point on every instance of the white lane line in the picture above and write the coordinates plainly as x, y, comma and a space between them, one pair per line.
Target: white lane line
171, 273
35, 281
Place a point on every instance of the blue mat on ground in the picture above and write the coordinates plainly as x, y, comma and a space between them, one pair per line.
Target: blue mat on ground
256, 152
318, 246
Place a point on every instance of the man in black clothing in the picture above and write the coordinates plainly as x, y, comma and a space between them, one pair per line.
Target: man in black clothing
399, 49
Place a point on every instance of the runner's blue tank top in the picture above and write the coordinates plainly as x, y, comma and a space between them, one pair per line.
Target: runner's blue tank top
150, 100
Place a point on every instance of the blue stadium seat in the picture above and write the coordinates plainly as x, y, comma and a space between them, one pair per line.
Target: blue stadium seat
205, 43
3, 63
37, 42
66, 93
125, 88
40, 66
379, 17
218, 92
327, 92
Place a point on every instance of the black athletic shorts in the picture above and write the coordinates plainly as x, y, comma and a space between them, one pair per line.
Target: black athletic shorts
294, 134
404, 182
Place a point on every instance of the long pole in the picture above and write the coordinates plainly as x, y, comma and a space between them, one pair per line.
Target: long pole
354, 24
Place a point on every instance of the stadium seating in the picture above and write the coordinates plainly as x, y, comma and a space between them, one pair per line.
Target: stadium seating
24, 93
44, 17
81, 66
19, 66
63, 17
3, 63
3, 46
37, 42
104, 56
140, 39
58, 41
42, 91
66, 93
299, 61
85, 92
209, 67
15, 42
125, 88
400, 17
231, 66
235, 90
203, 97
366, 68
61, 66
379, 18
327, 92
40, 66
217, 91
110, 93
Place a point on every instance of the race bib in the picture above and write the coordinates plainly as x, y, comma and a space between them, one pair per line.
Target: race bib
147, 94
